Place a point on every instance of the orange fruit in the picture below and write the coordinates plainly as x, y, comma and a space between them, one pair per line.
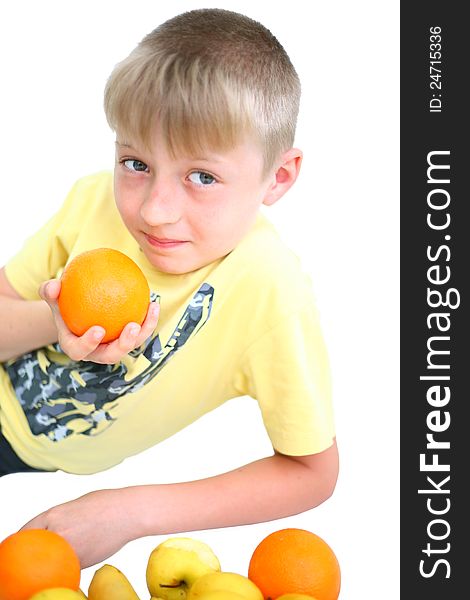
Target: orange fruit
103, 287
295, 561
59, 594
293, 596
36, 559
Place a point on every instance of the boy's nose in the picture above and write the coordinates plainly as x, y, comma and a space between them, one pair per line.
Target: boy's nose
161, 206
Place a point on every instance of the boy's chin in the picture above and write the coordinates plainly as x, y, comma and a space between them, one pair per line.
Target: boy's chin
174, 265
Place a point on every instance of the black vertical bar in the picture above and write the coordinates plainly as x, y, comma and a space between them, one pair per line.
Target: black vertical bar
435, 258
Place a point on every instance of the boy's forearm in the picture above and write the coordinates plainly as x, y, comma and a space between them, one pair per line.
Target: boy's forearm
24, 326
261, 491
264, 490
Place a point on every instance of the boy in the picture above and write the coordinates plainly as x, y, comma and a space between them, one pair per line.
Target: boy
204, 112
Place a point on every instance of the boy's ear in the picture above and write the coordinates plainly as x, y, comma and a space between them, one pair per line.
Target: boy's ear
285, 174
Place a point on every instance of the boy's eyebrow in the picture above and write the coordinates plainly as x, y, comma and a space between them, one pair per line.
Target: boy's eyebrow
212, 159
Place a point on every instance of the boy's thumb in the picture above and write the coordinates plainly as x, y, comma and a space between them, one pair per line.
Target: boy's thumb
49, 290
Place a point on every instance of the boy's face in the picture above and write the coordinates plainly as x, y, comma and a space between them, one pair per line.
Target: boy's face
188, 212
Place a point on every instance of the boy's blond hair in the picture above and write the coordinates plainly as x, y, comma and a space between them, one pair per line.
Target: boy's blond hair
210, 78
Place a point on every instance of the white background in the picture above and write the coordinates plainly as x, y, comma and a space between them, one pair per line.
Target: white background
341, 217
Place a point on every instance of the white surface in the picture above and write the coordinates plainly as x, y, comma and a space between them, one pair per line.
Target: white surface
341, 217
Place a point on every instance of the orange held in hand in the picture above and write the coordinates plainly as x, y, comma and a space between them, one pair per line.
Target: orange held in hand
103, 287
32, 560
297, 561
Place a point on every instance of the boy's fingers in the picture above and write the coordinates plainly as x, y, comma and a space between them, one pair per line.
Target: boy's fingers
114, 351
79, 348
93, 336
42, 290
50, 290
153, 312
87, 346
151, 319
127, 341
150, 323
132, 336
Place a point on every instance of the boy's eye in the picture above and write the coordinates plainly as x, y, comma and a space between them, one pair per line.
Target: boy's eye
135, 165
201, 178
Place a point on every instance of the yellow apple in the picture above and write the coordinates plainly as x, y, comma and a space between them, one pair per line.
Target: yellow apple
109, 583
224, 582
175, 564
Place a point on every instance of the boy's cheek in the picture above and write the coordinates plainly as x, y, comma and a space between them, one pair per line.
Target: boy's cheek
128, 209
127, 193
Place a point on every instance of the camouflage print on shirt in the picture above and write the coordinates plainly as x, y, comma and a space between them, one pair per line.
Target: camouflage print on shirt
61, 397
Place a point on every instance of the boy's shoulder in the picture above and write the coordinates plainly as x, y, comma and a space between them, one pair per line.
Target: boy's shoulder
268, 269
269, 255
90, 202
88, 193
98, 184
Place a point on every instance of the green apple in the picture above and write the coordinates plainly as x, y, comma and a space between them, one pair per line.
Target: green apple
109, 583
224, 582
58, 594
175, 564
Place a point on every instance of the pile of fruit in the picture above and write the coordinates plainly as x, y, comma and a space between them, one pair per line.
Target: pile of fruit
288, 564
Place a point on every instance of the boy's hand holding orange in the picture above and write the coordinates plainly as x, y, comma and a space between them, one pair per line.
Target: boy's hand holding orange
101, 306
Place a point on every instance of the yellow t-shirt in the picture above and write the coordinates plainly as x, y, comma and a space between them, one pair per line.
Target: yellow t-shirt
245, 324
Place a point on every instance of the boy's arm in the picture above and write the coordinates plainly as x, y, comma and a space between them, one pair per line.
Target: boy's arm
100, 523
267, 489
24, 324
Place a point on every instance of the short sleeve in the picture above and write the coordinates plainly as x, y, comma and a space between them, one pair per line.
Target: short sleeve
46, 252
287, 372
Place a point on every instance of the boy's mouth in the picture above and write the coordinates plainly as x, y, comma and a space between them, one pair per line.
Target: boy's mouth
164, 242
